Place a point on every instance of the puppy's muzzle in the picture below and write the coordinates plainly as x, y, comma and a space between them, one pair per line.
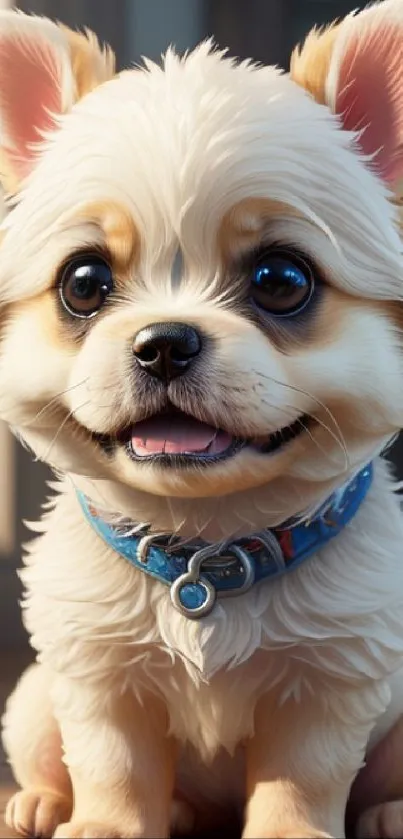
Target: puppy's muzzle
166, 350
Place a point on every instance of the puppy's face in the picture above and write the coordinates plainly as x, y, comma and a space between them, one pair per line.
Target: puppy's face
201, 284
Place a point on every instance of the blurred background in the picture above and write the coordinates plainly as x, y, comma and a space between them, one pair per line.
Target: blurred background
265, 30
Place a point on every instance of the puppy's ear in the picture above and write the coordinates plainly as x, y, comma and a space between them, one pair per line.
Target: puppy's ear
44, 69
356, 68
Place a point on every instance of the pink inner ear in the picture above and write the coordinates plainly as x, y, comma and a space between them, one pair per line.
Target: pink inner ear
370, 95
29, 92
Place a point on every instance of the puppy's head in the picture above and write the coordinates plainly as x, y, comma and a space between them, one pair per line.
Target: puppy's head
200, 269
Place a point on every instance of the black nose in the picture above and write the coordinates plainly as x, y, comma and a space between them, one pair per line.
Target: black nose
166, 350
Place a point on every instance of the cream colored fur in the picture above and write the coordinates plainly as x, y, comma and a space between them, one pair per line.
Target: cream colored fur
134, 716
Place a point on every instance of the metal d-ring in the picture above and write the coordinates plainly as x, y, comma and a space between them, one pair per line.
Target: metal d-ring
195, 588
248, 569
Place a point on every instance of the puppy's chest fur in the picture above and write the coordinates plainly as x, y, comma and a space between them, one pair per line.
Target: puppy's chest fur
336, 618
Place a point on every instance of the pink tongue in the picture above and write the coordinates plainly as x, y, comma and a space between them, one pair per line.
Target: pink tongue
177, 434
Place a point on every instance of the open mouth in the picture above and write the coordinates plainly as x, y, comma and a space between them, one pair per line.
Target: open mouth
176, 438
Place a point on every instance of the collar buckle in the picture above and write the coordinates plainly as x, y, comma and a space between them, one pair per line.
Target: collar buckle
193, 593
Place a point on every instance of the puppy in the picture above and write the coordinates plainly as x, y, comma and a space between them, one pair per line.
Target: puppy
201, 287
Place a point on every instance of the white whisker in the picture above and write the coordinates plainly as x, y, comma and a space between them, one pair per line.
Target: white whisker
337, 435
52, 402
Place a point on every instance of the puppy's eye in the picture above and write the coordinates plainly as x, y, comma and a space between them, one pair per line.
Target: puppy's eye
84, 285
282, 283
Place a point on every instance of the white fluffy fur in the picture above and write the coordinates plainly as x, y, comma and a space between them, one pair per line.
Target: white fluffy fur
336, 618
186, 151
242, 132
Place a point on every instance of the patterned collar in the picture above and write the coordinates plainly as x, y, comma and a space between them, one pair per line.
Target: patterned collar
199, 573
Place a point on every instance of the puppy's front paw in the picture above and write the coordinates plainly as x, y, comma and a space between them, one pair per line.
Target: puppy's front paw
36, 812
287, 833
85, 830
304, 834
310, 834
385, 821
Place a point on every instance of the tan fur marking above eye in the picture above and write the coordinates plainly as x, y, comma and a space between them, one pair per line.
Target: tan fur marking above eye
122, 239
243, 227
91, 64
310, 64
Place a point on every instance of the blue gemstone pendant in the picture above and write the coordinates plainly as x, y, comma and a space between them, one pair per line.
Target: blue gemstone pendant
191, 594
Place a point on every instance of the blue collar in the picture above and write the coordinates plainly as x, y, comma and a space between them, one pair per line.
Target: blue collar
199, 573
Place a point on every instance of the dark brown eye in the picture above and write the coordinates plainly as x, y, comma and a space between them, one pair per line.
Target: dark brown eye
282, 283
84, 285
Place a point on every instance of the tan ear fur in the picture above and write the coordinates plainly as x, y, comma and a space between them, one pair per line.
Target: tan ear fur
91, 64
309, 67
9, 179
310, 63
44, 69
356, 69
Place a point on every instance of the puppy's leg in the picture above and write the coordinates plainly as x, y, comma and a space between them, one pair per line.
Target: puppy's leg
121, 762
377, 794
302, 760
33, 745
